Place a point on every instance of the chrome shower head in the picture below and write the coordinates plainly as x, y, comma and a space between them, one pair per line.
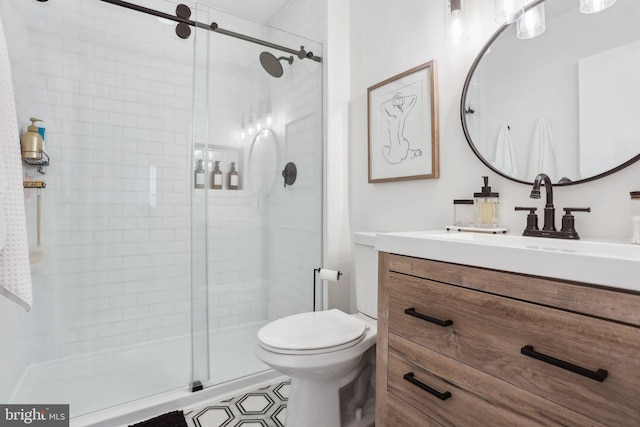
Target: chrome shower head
272, 65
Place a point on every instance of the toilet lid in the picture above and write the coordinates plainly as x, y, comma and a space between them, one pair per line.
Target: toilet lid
319, 330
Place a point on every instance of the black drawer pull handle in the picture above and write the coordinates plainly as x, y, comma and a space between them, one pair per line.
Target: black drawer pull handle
442, 396
412, 312
598, 375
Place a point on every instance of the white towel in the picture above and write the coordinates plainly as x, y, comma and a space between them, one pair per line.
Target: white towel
542, 153
15, 272
505, 159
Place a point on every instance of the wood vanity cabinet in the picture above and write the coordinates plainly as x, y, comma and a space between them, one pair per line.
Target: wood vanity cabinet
466, 346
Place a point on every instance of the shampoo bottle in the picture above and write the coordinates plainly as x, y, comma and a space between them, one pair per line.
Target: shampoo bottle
216, 177
486, 206
234, 178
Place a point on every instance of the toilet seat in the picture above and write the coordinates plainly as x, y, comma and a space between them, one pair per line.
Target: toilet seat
312, 333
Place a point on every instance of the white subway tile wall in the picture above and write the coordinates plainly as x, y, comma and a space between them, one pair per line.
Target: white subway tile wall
295, 215
265, 241
116, 91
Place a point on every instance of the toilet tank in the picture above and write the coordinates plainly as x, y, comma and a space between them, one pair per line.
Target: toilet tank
366, 273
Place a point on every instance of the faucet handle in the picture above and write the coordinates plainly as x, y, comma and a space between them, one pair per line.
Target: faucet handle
568, 211
568, 222
532, 218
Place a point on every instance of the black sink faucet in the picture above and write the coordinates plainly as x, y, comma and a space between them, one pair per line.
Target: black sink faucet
549, 210
549, 229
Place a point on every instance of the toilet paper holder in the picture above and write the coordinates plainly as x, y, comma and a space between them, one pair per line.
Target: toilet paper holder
325, 274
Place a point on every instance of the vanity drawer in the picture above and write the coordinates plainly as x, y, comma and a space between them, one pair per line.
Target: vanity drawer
470, 397
489, 332
590, 300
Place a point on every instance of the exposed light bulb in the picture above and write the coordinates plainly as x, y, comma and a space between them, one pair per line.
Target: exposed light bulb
267, 112
456, 32
508, 11
532, 23
454, 23
594, 6
250, 129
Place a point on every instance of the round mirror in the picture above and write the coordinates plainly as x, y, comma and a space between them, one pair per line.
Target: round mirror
263, 162
563, 103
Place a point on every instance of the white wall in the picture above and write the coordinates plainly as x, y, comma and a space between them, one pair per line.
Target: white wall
388, 38
337, 232
302, 17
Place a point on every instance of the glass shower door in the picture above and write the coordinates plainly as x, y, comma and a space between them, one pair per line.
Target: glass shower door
110, 321
263, 238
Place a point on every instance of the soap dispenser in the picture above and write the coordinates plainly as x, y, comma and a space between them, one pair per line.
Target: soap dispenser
199, 175
486, 206
216, 176
234, 177
31, 142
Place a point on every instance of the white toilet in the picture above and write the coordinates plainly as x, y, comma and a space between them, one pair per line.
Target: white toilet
330, 355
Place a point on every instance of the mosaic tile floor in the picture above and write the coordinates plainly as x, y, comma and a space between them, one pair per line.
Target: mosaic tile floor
265, 407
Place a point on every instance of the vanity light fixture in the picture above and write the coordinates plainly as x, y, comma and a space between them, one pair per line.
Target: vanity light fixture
532, 23
508, 11
454, 23
593, 6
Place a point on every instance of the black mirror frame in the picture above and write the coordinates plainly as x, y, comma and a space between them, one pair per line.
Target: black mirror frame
464, 110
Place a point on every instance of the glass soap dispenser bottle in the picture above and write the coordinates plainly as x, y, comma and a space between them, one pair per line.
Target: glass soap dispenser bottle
216, 176
199, 175
31, 142
234, 178
486, 206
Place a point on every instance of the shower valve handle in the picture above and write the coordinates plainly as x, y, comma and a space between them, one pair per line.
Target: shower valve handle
289, 173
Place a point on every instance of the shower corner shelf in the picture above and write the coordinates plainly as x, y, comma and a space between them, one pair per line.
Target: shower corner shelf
223, 191
39, 162
34, 184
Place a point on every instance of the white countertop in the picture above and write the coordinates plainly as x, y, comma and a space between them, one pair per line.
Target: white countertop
600, 263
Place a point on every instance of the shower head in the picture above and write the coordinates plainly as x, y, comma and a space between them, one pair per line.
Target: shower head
272, 65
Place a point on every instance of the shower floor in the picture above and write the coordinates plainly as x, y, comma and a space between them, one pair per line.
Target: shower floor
102, 380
